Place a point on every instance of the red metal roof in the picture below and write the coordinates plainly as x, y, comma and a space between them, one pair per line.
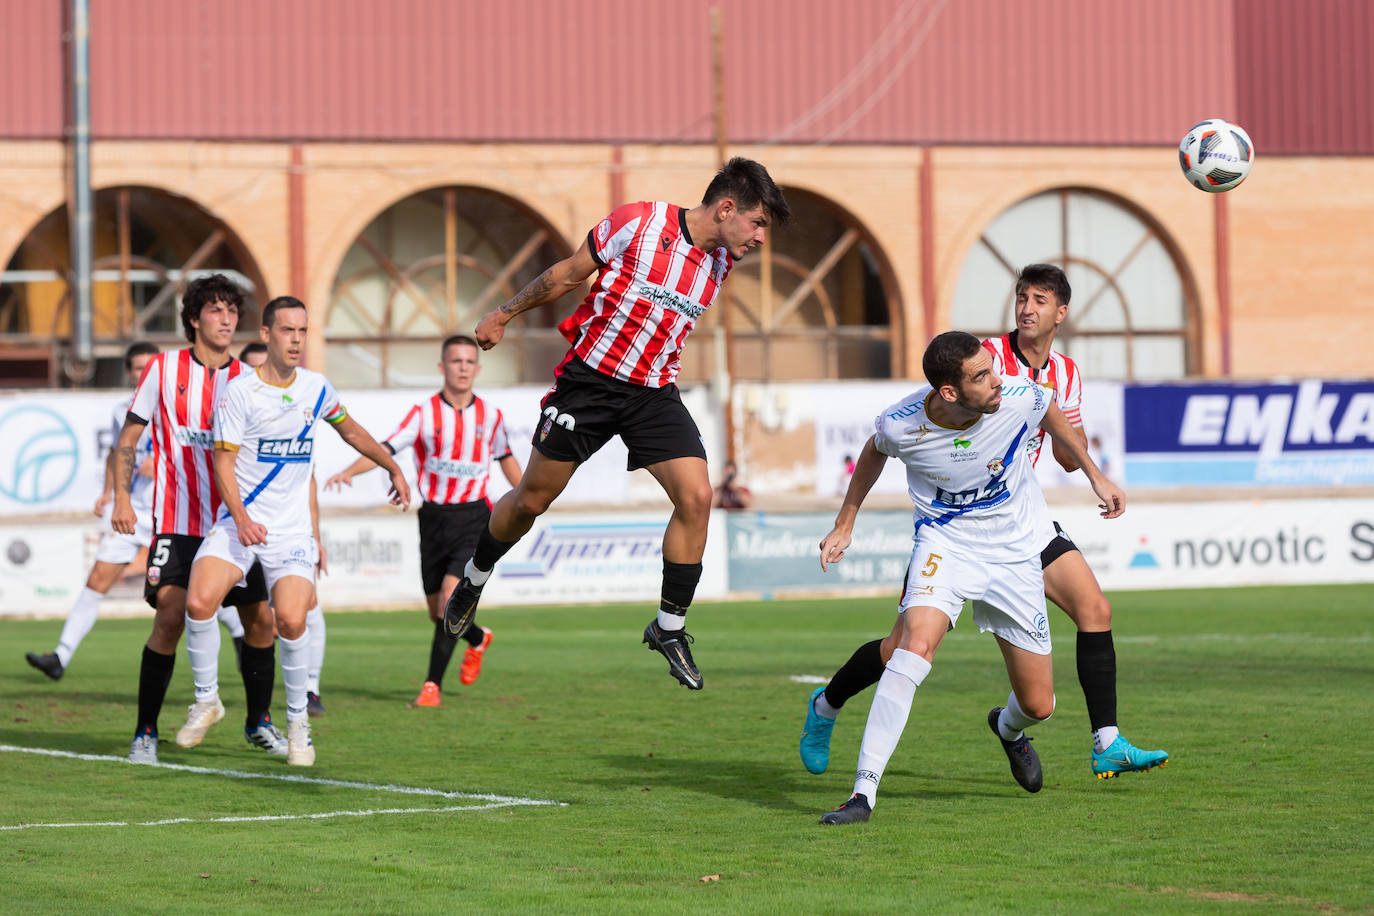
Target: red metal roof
868, 71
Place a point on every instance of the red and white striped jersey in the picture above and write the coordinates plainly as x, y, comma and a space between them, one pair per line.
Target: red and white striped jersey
1059, 374
454, 448
652, 287
176, 396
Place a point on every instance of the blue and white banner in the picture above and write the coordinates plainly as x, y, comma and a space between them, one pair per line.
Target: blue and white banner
1312, 433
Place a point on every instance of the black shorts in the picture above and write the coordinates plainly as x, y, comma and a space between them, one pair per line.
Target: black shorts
169, 563
586, 408
448, 539
1057, 547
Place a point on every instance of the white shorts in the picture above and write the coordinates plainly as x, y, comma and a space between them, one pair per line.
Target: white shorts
282, 555
1008, 598
123, 548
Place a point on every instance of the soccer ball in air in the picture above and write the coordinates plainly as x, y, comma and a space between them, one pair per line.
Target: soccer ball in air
1216, 155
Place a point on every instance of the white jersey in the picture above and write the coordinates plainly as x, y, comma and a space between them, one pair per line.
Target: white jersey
972, 488
273, 430
140, 487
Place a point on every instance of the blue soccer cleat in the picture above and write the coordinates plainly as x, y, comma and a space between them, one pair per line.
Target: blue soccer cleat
815, 737
1125, 757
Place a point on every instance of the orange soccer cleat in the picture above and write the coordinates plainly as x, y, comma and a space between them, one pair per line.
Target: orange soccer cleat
472, 658
429, 695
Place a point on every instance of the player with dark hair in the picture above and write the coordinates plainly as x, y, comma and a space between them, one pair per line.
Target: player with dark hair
456, 436
658, 269
979, 522
175, 401
1042, 299
264, 436
116, 551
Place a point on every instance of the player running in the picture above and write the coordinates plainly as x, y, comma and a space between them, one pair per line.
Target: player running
658, 269
116, 551
174, 401
980, 521
456, 436
1042, 302
264, 434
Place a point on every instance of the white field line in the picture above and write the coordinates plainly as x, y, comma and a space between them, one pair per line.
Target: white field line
491, 801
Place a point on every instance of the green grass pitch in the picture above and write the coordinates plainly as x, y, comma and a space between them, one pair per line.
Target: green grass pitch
675, 801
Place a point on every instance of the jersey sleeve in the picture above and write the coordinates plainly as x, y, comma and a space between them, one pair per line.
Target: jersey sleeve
231, 414
406, 434
331, 408
146, 395
884, 436
610, 237
1071, 397
500, 443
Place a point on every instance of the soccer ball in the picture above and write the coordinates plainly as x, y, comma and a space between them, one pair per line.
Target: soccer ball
1216, 155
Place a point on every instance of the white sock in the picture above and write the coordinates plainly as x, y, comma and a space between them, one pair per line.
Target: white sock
80, 619
475, 575
314, 628
295, 656
887, 718
1103, 737
1013, 721
202, 646
229, 616
823, 708
668, 621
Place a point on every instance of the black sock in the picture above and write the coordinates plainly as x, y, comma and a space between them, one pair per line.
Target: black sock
679, 586
489, 550
155, 673
259, 670
862, 671
440, 652
1097, 676
473, 634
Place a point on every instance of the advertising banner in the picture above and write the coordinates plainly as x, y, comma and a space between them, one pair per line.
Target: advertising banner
1306, 434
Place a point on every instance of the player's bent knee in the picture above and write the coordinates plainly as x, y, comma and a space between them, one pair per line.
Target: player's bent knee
1096, 615
533, 503
1038, 708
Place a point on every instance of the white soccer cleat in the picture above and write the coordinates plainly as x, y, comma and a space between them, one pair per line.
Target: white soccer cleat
300, 750
199, 718
144, 749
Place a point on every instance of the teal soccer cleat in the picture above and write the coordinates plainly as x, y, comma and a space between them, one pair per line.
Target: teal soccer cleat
815, 737
1125, 757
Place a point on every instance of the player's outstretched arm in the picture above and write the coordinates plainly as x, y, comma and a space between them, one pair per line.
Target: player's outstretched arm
563, 277
322, 564
362, 442
250, 532
345, 477
123, 518
867, 470
1064, 434
1062, 454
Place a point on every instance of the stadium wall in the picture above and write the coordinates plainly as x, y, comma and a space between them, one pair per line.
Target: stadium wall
1292, 250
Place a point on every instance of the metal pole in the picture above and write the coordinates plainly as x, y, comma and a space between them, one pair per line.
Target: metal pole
81, 206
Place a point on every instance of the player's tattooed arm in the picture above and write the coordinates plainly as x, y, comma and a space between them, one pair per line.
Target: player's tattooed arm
563, 277
123, 518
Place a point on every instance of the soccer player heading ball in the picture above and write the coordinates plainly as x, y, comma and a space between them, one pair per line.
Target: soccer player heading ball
658, 269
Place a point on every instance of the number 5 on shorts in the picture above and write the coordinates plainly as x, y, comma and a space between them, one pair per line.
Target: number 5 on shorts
932, 564
162, 551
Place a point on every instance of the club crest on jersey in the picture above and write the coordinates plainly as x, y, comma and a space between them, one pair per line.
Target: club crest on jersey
995, 467
544, 430
154, 575
278, 451
603, 231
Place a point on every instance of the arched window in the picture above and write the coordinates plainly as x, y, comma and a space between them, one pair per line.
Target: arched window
431, 265
817, 301
148, 244
1132, 314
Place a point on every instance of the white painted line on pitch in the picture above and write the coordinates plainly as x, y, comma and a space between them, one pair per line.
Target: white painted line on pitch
808, 679
244, 819
496, 800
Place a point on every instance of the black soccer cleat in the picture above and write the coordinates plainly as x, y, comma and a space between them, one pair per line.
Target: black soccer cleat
47, 663
854, 811
1025, 763
673, 645
461, 608
313, 707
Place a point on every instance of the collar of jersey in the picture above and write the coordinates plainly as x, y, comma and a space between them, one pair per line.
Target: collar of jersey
450, 403
259, 377
959, 429
1021, 357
